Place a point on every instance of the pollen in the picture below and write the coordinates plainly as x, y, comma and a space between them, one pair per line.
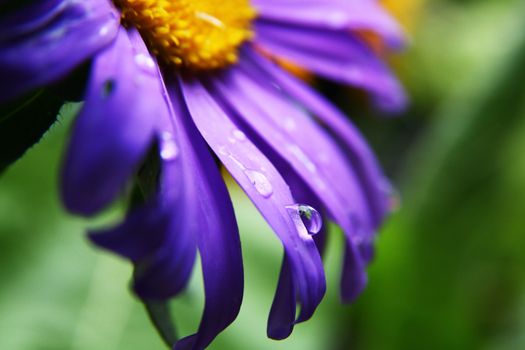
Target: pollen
195, 35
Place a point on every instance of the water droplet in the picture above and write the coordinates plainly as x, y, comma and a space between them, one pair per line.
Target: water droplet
239, 135
223, 150
145, 62
310, 217
168, 147
104, 30
258, 179
260, 182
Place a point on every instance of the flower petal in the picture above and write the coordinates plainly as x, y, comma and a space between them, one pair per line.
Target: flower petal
50, 39
361, 156
336, 56
215, 229
319, 165
263, 184
282, 314
289, 131
335, 15
353, 278
158, 236
114, 128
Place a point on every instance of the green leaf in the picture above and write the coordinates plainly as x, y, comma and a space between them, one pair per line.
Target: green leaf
23, 122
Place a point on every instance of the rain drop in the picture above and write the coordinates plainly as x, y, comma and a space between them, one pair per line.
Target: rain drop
260, 182
103, 31
145, 62
223, 150
310, 217
168, 148
239, 135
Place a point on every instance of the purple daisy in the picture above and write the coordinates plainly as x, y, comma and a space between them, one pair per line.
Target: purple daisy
195, 81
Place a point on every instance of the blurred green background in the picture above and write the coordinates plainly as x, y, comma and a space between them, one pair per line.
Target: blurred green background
450, 268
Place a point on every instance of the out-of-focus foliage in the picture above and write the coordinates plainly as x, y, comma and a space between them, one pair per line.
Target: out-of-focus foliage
450, 268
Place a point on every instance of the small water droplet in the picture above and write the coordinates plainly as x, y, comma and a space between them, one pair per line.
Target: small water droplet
260, 182
223, 150
310, 217
104, 30
239, 135
168, 147
145, 61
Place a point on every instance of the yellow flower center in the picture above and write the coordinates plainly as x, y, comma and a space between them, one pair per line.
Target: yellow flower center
191, 34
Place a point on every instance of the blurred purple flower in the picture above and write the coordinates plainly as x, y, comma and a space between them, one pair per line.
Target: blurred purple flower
256, 118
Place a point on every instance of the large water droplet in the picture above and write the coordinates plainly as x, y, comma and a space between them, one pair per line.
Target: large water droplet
310, 217
168, 147
260, 182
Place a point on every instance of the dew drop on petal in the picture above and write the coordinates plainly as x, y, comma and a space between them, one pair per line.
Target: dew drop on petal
310, 217
104, 30
260, 182
223, 150
239, 135
168, 147
145, 62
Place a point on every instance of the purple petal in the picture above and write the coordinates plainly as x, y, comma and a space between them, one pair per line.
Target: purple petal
335, 15
295, 138
361, 156
40, 44
334, 55
160, 236
282, 313
266, 188
131, 239
215, 228
360, 224
353, 278
114, 128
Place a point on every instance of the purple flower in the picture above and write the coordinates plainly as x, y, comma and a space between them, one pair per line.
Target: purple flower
193, 80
